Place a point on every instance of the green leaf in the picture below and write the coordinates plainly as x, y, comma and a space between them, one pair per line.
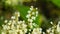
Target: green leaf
23, 11
56, 2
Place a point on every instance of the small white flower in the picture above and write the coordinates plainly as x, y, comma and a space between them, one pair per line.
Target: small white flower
40, 29
24, 25
29, 29
34, 24
51, 33
3, 33
30, 24
28, 16
6, 21
53, 30
36, 8
30, 20
28, 33
51, 22
31, 9
9, 23
18, 26
33, 13
5, 27
13, 17
43, 32
33, 17
25, 30
29, 12
21, 32
8, 27
19, 22
58, 22
17, 13
23, 21
58, 28
31, 6
48, 30
37, 12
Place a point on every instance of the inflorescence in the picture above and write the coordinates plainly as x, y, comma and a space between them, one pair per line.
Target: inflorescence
14, 26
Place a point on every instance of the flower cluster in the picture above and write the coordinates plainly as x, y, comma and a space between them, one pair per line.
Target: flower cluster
14, 26
31, 16
55, 29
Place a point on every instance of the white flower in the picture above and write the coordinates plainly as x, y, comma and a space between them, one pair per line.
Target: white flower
13, 17
3, 33
6, 21
28, 33
51, 22
58, 28
18, 26
33, 13
36, 12
19, 22
48, 30
29, 12
36, 31
30, 24
31, 9
51, 33
5, 27
8, 27
23, 21
34, 24
36, 8
25, 30
28, 16
33, 18
31, 6
30, 20
29, 29
21, 32
40, 29
58, 22
43, 32
10, 21
17, 14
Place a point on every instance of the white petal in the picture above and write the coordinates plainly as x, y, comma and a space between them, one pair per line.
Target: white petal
13, 17
29, 12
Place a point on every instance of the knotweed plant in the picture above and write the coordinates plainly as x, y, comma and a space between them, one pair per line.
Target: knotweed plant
16, 26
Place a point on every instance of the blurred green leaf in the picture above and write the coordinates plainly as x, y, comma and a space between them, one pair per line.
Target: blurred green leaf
23, 11
56, 2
